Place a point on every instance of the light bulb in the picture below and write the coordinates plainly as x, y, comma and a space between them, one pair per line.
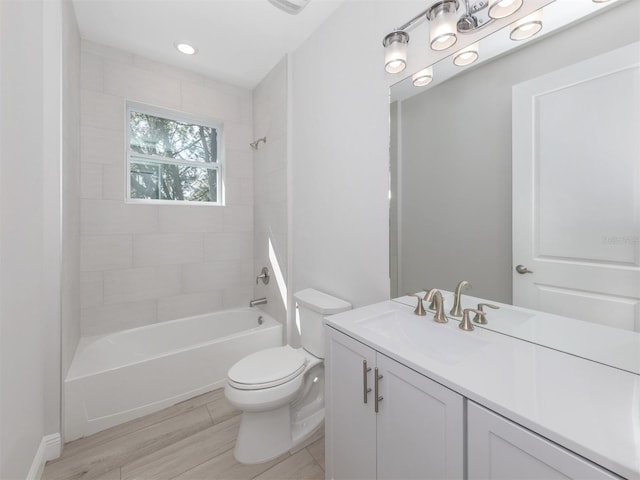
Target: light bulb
503, 8
467, 55
423, 77
527, 26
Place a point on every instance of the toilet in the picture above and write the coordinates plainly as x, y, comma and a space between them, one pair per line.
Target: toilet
280, 391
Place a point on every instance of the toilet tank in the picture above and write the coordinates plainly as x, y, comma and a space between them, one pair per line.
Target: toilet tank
313, 306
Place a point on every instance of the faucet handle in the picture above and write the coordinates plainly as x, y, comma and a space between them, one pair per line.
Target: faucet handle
420, 307
481, 318
466, 323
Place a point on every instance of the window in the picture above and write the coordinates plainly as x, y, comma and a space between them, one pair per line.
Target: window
172, 158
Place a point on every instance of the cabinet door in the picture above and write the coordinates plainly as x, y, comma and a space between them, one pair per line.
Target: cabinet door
500, 449
350, 426
420, 426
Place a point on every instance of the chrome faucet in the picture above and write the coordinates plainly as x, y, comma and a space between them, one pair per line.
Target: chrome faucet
435, 294
257, 301
456, 311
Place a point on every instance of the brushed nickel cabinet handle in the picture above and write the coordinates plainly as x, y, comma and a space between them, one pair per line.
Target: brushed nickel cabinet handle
377, 398
365, 370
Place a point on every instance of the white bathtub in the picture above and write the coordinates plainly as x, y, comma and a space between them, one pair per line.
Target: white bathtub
124, 375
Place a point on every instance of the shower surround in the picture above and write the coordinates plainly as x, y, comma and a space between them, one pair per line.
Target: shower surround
143, 264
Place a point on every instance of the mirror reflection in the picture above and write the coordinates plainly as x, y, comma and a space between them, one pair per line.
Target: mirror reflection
529, 159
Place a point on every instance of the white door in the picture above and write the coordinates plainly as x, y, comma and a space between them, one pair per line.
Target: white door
576, 190
420, 426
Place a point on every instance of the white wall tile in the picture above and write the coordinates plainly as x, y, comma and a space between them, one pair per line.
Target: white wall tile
113, 181
144, 263
106, 52
238, 218
167, 249
91, 180
190, 218
91, 289
238, 191
239, 162
102, 145
121, 316
238, 136
91, 73
104, 217
228, 246
101, 110
140, 85
163, 70
277, 181
215, 104
105, 252
237, 296
136, 284
202, 277
181, 306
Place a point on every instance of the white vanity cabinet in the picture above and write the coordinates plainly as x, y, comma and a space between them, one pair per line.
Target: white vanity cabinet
416, 433
501, 449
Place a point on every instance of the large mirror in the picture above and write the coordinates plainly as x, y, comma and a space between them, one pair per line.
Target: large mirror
458, 193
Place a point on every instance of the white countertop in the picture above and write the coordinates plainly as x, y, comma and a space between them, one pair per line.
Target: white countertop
589, 408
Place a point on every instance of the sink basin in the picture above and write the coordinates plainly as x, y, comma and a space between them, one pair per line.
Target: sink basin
405, 332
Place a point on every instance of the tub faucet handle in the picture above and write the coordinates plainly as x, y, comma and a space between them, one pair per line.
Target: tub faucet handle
264, 276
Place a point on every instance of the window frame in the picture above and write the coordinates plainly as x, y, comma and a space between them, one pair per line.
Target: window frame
181, 117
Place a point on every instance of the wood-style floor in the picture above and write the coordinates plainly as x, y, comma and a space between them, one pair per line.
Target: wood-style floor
192, 440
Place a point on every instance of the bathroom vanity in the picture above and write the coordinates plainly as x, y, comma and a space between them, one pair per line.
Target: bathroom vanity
410, 398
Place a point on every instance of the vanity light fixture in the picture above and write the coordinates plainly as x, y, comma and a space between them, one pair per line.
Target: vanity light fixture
443, 31
186, 48
527, 26
444, 26
467, 55
503, 8
423, 77
395, 51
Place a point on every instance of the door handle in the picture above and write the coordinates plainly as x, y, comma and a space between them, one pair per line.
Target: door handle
365, 370
521, 269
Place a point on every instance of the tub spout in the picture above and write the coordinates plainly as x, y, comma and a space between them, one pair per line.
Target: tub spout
257, 301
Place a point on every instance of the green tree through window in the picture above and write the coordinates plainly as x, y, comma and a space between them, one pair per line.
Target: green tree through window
171, 159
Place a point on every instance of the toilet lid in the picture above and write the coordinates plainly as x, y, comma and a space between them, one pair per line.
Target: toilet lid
267, 368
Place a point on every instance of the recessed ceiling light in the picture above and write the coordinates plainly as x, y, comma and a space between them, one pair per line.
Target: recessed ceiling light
185, 48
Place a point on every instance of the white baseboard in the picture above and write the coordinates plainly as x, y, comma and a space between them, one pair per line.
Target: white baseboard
53, 446
50, 448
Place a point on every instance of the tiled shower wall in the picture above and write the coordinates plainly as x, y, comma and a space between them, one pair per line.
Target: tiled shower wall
270, 187
142, 264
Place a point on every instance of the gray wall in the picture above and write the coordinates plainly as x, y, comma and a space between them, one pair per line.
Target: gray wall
456, 160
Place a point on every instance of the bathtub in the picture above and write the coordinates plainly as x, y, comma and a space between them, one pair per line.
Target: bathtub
120, 376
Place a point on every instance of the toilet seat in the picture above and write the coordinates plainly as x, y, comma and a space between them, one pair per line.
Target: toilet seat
267, 368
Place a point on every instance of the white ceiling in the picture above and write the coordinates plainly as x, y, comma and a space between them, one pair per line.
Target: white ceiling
238, 41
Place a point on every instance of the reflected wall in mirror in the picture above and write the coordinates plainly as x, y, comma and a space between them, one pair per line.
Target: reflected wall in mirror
451, 162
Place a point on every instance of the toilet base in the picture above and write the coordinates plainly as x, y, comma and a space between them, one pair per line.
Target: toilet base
264, 436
